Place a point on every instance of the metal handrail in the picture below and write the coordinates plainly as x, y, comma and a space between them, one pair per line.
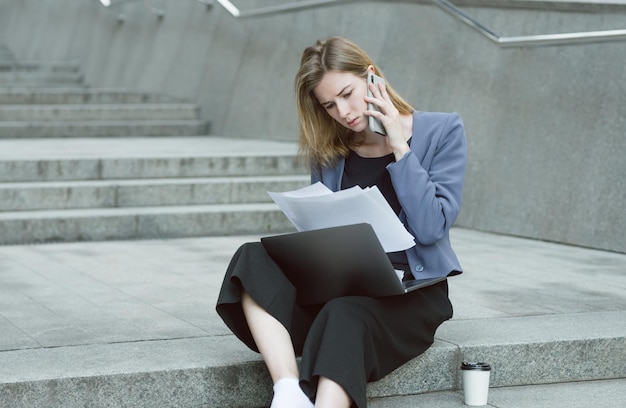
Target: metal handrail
531, 40
445, 5
278, 9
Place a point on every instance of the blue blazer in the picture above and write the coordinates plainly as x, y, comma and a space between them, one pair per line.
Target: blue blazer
428, 181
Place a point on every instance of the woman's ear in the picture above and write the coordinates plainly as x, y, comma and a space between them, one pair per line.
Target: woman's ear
370, 68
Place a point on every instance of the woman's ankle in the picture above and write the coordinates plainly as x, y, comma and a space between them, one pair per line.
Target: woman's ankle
288, 394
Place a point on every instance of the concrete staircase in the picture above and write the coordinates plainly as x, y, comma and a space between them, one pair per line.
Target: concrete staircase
78, 163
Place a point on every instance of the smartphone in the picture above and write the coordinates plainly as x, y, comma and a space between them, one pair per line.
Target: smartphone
374, 124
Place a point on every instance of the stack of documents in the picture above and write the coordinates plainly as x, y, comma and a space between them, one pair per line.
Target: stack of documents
316, 207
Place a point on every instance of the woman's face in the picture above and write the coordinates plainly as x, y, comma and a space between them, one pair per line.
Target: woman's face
342, 95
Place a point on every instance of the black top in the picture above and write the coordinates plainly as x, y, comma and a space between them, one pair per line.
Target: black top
372, 171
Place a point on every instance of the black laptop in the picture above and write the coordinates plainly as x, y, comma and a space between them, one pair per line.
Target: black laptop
340, 261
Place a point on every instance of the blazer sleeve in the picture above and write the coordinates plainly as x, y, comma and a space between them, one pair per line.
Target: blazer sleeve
429, 179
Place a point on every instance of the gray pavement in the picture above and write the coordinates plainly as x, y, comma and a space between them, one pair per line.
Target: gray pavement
81, 310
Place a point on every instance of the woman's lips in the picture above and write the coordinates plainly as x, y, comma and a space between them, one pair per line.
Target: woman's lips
353, 122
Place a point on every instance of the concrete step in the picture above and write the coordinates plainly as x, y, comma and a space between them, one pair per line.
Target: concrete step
47, 96
580, 394
141, 223
95, 168
98, 128
44, 85
218, 371
144, 157
143, 192
100, 112
38, 67
40, 77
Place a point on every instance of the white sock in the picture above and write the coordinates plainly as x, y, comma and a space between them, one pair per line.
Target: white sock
288, 394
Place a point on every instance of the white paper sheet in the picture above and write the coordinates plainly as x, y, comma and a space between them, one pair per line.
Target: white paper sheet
316, 207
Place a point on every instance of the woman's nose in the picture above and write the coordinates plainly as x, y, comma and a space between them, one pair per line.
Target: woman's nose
343, 109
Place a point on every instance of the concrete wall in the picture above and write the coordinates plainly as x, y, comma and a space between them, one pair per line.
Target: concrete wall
546, 126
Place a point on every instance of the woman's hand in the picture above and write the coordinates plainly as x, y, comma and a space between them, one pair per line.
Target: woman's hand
390, 118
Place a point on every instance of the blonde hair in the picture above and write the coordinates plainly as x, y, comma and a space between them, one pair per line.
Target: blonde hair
322, 139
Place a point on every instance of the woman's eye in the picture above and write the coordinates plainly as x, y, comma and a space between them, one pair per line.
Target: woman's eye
347, 95
329, 106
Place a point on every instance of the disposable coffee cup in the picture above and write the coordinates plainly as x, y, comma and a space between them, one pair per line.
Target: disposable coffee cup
475, 383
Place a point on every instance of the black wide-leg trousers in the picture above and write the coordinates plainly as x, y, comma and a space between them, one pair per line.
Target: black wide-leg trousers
352, 340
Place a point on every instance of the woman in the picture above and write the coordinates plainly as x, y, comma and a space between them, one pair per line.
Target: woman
419, 167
